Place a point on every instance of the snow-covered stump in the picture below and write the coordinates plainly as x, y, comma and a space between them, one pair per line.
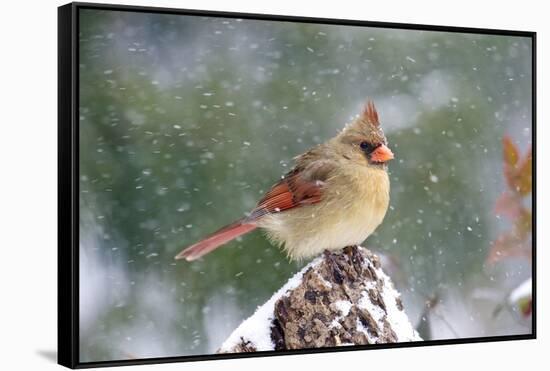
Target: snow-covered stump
341, 298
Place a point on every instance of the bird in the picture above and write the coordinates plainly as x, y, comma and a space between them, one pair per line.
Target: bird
335, 196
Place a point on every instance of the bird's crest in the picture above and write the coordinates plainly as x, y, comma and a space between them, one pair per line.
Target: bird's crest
369, 114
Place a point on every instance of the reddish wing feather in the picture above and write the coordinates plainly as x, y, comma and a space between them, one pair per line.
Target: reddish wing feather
289, 192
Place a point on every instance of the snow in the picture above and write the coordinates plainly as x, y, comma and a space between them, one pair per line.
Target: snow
257, 328
375, 311
359, 326
324, 281
522, 291
397, 318
343, 306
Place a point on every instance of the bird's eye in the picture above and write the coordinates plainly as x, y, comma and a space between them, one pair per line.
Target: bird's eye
366, 146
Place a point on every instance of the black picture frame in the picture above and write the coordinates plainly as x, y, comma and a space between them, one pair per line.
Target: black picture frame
68, 186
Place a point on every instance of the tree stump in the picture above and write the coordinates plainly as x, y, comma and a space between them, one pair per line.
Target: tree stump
340, 298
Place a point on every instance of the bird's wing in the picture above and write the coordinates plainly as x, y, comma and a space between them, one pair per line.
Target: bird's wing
303, 185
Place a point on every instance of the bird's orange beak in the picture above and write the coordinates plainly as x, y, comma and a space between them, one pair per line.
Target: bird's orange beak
381, 154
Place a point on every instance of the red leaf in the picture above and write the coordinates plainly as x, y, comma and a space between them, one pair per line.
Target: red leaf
523, 224
507, 246
519, 177
508, 204
526, 307
524, 174
510, 151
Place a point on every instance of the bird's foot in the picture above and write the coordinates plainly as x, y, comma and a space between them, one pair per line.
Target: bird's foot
350, 250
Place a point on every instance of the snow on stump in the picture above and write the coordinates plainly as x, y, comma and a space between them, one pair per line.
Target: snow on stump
340, 298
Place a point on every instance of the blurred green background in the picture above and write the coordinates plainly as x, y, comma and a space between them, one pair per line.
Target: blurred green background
185, 122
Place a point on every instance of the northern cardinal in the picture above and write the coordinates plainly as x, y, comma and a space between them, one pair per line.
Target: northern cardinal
335, 196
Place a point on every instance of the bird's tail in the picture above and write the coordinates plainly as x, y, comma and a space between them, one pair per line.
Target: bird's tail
216, 239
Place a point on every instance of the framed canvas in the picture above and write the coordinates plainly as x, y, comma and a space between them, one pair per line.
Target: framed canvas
236, 185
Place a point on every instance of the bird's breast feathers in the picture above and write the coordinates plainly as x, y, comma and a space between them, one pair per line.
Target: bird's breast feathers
353, 204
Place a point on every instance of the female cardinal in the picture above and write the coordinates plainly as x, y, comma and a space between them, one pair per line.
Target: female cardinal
335, 196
